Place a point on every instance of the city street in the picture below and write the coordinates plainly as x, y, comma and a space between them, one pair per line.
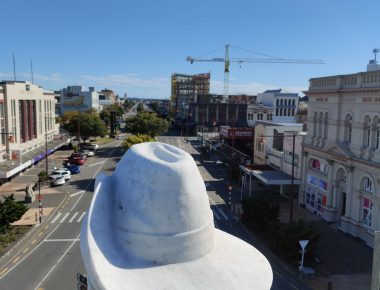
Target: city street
50, 258
215, 180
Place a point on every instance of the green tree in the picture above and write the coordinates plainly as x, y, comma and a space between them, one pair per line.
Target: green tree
89, 125
140, 108
106, 113
128, 104
10, 211
154, 106
136, 139
147, 123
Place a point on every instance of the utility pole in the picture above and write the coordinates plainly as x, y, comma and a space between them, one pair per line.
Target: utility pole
292, 184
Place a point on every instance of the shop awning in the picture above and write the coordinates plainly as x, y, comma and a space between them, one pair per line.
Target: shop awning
270, 176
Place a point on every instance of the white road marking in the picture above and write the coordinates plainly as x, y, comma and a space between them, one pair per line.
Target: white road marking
64, 217
77, 193
81, 216
11, 269
97, 163
62, 240
216, 215
73, 217
220, 211
56, 264
56, 217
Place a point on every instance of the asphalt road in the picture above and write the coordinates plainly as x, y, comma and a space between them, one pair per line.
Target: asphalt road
50, 258
215, 177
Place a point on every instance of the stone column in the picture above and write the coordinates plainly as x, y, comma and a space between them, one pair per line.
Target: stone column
349, 193
335, 195
330, 185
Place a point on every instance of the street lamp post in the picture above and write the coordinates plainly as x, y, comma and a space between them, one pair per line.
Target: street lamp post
293, 165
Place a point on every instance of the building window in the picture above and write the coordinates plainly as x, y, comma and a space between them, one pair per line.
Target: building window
367, 185
377, 135
348, 128
367, 131
367, 212
315, 121
288, 157
325, 125
320, 124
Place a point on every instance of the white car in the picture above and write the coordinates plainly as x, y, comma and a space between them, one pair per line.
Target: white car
56, 180
88, 153
61, 172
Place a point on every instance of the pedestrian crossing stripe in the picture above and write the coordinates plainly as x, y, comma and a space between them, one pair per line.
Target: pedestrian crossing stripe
68, 217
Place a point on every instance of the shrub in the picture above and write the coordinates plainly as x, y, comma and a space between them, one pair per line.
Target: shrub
259, 213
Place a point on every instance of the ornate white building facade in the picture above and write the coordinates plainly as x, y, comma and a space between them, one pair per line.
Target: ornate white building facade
341, 161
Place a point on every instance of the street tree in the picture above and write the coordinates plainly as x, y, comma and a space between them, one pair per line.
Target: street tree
147, 123
140, 108
86, 125
136, 139
106, 113
10, 211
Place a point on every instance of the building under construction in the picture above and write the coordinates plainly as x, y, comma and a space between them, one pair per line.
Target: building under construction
185, 89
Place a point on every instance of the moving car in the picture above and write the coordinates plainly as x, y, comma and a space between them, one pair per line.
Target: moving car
88, 153
73, 168
89, 146
64, 173
77, 158
56, 180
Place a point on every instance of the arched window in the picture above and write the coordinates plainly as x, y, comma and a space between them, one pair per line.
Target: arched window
293, 102
281, 112
320, 124
315, 124
348, 128
277, 102
281, 102
375, 132
377, 135
367, 131
366, 211
325, 125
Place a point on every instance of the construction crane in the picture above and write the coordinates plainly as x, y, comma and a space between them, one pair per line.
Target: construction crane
227, 60
375, 52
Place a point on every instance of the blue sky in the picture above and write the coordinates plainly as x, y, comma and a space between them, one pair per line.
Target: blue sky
135, 46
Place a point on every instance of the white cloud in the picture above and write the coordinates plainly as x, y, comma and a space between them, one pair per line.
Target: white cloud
37, 77
127, 80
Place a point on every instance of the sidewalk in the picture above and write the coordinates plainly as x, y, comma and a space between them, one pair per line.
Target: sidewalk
51, 198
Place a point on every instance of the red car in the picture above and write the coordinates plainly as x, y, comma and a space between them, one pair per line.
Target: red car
77, 159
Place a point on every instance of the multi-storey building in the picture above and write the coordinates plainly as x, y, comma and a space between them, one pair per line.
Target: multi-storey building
284, 104
74, 98
27, 121
342, 152
185, 89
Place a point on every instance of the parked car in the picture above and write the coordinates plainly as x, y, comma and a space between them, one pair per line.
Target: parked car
73, 168
88, 153
89, 146
78, 160
65, 173
56, 180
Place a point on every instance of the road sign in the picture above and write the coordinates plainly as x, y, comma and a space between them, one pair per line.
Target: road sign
303, 243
